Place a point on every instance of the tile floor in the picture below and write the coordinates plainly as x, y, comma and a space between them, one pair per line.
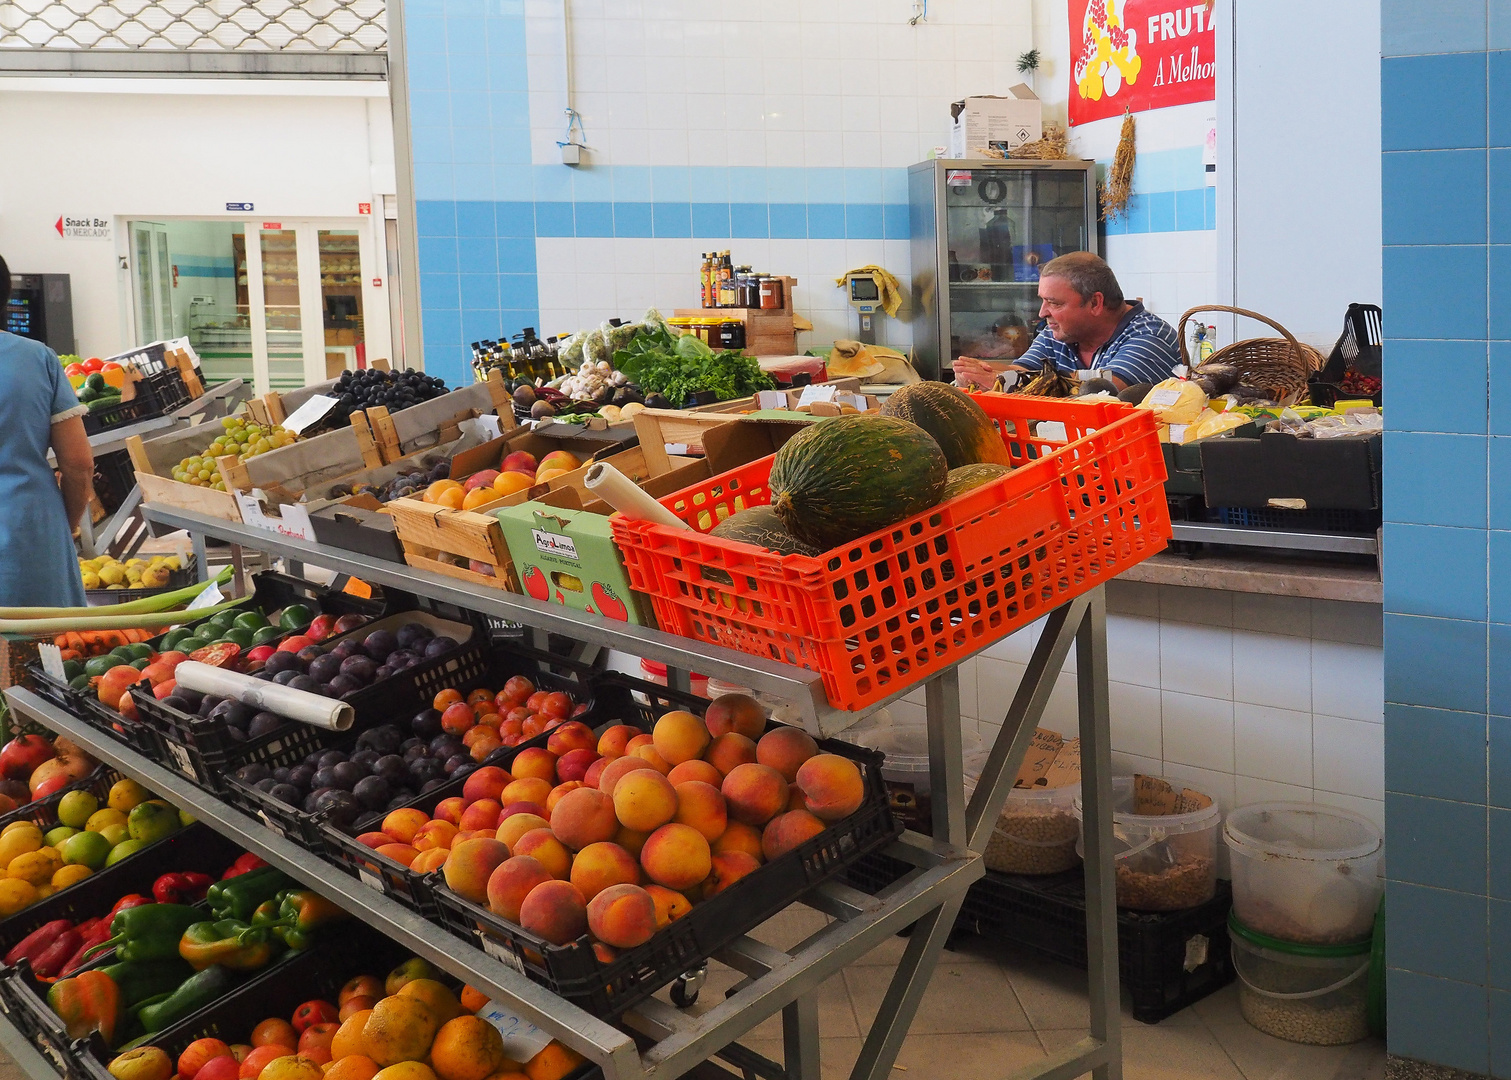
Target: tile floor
990, 1011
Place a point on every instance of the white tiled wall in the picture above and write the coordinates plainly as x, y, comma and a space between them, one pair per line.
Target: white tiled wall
1249, 698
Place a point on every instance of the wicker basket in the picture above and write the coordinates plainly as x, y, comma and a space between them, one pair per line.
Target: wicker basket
1278, 366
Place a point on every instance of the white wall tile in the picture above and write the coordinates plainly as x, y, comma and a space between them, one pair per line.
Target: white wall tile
1272, 744
1249, 790
1349, 756
1269, 669
1220, 785
1348, 680
1373, 809
1135, 723
996, 683
1124, 764
1198, 731
1196, 659
1062, 711
1133, 653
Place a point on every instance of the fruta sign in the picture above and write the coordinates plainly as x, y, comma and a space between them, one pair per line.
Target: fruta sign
1139, 55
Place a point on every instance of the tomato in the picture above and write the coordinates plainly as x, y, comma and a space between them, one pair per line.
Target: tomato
114, 375
518, 688
93, 364
557, 705
221, 655
312, 1013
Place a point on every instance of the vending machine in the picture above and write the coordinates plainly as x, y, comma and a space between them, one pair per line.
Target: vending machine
41, 308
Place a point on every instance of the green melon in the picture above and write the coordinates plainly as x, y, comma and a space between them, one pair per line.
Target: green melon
968, 477
760, 526
848, 476
957, 423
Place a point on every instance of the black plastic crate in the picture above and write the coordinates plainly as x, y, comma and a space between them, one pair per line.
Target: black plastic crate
87, 706
114, 479
181, 578
1166, 960
44, 811
415, 687
1333, 521
608, 989
156, 393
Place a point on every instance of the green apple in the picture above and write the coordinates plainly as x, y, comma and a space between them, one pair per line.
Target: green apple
55, 837
89, 849
114, 834
76, 807
152, 820
185, 819
123, 849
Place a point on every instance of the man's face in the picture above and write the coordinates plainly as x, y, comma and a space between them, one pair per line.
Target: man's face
1067, 314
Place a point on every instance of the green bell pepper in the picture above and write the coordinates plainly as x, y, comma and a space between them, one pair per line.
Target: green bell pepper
148, 932
193, 994
140, 980
238, 897
228, 943
301, 913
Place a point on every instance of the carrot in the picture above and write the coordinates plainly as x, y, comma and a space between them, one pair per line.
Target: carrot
71, 654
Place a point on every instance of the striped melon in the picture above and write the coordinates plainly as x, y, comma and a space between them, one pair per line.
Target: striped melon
969, 477
957, 423
760, 526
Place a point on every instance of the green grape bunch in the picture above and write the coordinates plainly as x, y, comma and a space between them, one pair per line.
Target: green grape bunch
241, 438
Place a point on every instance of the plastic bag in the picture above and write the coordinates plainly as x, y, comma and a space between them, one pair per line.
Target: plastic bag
1175, 401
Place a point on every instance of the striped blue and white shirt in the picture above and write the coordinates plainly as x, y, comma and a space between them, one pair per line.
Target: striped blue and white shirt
1142, 349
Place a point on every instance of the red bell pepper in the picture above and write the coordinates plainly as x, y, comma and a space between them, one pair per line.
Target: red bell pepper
37, 942
50, 962
243, 865
93, 932
89, 1001
182, 888
130, 900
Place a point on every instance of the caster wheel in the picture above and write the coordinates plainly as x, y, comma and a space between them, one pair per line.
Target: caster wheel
682, 995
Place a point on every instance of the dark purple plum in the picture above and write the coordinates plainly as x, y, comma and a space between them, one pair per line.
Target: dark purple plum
331, 757
309, 800
266, 786
372, 792
173, 701
192, 697
344, 648
347, 775
325, 778
399, 800
427, 724
455, 762
341, 807
379, 644
282, 774
415, 753
385, 739
235, 734
443, 746
431, 785
392, 768
207, 705
281, 661
325, 667
265, 675
302, 777
287, 794
413, 635
438, 646
407, 743
342, 685
251, 774
384, 672
305, 683
283, 678
361, 668
364, 759
308, 655
464, 768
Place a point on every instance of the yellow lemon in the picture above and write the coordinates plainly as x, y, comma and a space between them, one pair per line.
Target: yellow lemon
15, 844
113, 574
91, 580
15, 894
70, 875
126, 794
101, 819
154, 577
36, 867
76, 808
172, 563
17, 826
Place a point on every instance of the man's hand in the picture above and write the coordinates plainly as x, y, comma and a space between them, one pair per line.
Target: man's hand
972, 372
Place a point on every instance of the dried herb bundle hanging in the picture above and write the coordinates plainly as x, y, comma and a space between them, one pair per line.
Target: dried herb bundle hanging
1116, 192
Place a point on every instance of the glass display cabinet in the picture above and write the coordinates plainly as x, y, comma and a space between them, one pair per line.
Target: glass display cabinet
980, 231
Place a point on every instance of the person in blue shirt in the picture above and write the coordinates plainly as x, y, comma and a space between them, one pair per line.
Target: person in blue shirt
38, 411
1089, 328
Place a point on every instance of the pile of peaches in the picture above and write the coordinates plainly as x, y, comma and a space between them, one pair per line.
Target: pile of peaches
621, 833
515, 473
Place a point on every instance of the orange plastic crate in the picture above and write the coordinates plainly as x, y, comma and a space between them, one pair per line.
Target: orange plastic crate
886, 612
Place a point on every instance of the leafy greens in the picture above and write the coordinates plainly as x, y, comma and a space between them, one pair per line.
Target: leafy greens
679, 367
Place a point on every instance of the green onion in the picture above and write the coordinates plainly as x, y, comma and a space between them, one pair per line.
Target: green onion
145, 606
35, 627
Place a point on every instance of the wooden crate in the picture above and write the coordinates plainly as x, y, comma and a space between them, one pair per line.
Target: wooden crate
429, 532
767, 332
154, 460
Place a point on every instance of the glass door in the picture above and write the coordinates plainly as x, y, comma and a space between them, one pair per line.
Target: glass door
152, 281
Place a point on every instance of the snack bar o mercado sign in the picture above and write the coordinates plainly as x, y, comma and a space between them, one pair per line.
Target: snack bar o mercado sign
1139, 55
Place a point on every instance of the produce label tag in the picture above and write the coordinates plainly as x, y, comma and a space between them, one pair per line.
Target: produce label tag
1052, 431
311, 411
771, 399
549, 543
209, 597
1042, 749
1163, 398
522, 1039
816, 392
1178, 433
52, 661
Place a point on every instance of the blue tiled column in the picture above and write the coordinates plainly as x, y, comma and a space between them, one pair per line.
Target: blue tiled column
1445, 119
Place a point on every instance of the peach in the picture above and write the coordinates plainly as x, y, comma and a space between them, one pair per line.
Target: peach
197, 1054
676, 856
374, 840
640, 739
737, 713
542, 846
613, 742
433, 859
485, 783
832, 786
632, 840
516, 808
534, 761
786, 832
564, 460
599, 866
795, 798
728, 869
402, 824
449, 809
622, 916
559, 792
574, 764
740, 837
482, 814
572, 735
511, 881
527, 789
617, 768
471, 866
556, 911
518, 461
680, 736
729, 750
516, 825
670, 904
606, 954
399, 853
650, 754
644, 800
754, 793
701, 806
785, 749
583, 817
695, 770
595, 771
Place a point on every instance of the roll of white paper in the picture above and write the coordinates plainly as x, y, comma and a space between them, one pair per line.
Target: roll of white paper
312, 709
620, 492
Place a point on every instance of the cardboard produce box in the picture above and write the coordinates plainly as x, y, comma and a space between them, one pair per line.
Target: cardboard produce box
995, 122
360, 525
568, 556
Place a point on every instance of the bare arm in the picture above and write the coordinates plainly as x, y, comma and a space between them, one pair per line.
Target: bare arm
70, 446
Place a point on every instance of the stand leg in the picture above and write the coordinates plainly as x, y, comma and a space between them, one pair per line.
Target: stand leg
800, 1050
200, 560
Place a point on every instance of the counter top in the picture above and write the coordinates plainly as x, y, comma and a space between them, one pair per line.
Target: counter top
1258, 573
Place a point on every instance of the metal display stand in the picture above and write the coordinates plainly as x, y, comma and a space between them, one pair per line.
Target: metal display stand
669, 1043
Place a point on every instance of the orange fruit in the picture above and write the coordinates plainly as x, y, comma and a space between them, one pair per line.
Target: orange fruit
293, 1067
477, 497
479, 695
434, 492
508, 483
407, 1070
445, 698
451, 498
473, 999
443, 1003
348, 1040
466, 1048
400, 1028
555, 1062
259, 1058
352, 1067
275, 1031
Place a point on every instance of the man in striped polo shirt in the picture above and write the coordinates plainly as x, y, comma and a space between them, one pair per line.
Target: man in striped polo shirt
1090, 328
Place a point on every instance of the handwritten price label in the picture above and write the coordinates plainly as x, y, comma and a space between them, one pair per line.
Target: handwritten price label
522, 1039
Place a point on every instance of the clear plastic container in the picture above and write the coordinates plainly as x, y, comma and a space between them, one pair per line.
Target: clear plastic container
1305, 873
1317, 994
906, 768
1165, 862
1037, 831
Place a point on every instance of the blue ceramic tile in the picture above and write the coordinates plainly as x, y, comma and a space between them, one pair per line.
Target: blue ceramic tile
1498, 470
1499, 853
432, 144
470, 109
632, 219
632, 183
1210, 205
469, 76
789, 221
594, 218
466, 37
1437, 1020
788, 185
824, 185
514, 78
433, 181
1500, 108
709, 184
1190, 210
479, 291
477, 255
1499, 567
1434, 292
506, 41
1435, 753
593, 184
1500, 1034
511, 146
429, 108
476, 219
671, 183
450, 362
512, 110
437, 255
1456, 594
896, 221
826, 221
1499, 184
435, 218
863, 221
423, 34
553, 183
865, 186
1432, 102
748, 220
711, 220
1498, 663
1161, 211
1500, 24
516, 291
1114, 226
514, 183
1410, 27
473, 146
1415, 937
429, 72
1500, 944
747, 184
473, 182
1455, 212
1438, 386
554, 219
1499, 765
1136, 217
515, 218
441, 290
1154, 170
1439, 663
513, 320
672, 219
441, 325
427, 8
1500, 291
516, 256
1437, 843
894, 185
479, 323
1456, 464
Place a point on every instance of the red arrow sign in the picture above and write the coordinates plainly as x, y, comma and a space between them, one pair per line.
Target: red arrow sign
59, 226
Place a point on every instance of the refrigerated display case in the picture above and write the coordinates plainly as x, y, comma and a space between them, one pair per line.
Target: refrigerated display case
980, 232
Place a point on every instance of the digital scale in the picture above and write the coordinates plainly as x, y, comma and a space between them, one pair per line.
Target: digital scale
865, 298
